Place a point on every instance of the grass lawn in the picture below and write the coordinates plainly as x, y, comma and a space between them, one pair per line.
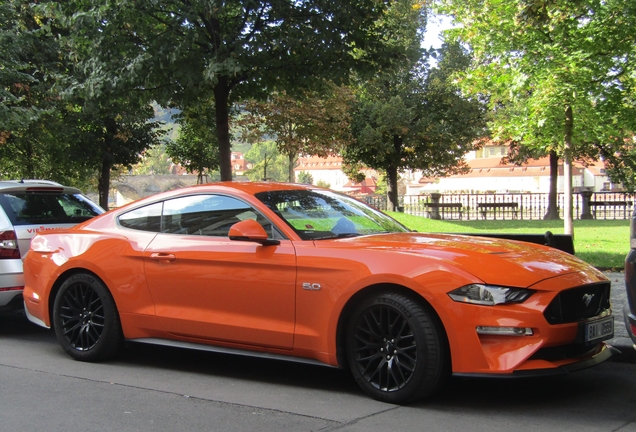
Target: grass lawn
602, 243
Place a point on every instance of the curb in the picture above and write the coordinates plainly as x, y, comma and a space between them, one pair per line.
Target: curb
626, 348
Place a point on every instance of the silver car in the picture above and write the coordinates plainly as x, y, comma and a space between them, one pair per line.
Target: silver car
629, 309
26, 208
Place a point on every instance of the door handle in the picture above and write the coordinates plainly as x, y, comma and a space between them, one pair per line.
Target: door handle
162, 256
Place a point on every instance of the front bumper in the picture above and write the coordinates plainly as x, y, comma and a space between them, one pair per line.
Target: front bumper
630, 322
604, 353
553, 340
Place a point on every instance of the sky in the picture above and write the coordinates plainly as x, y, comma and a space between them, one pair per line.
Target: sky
434, 26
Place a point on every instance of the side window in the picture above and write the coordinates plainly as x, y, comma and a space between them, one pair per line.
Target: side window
146, 218
207, 215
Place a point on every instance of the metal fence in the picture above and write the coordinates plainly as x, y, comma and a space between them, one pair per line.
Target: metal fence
523, 206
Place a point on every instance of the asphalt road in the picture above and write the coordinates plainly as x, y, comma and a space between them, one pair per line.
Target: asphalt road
166, 389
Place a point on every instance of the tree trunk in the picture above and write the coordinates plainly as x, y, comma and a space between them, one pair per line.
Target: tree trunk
103, 183
265, 163
568, 220
292, 164
392, 188
221, 100
553, 208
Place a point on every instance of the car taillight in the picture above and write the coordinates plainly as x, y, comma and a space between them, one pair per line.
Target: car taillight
9, 245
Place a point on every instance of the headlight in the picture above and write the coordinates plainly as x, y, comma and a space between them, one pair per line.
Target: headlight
489, 295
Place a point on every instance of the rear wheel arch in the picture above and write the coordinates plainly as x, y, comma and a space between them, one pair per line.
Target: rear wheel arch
60, 281
86, 319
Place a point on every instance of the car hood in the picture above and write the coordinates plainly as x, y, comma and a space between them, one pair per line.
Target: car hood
494, 261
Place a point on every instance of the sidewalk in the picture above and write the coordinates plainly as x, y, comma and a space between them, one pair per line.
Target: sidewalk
621, 340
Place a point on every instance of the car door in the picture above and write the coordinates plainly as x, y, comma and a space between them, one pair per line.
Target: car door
207, 286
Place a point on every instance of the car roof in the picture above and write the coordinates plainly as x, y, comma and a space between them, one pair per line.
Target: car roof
256, 187
246, 187
250, 188
35, 186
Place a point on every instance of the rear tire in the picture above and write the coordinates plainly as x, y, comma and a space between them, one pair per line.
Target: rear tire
86, 320
396, 348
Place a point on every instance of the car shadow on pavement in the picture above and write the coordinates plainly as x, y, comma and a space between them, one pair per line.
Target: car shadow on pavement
241, 367
610, 382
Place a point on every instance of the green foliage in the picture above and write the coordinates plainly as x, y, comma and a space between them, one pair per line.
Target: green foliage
195, 148
323, 184
227, 50
34, 130
305, 178
267, 162
50, 126
311, 123
29, 65
155, 161
381, 187
534, 60
413, 117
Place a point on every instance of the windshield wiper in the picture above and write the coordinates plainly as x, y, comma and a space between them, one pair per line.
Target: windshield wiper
337, 236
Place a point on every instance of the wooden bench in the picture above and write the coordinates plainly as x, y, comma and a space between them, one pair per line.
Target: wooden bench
494, 207
605, 204
433, 209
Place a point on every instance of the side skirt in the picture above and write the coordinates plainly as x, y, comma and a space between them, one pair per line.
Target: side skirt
225, 350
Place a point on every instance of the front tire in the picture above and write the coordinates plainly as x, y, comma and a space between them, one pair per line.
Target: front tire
396, 348
86, 320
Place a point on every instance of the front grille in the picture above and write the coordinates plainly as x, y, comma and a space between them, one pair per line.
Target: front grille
578, 304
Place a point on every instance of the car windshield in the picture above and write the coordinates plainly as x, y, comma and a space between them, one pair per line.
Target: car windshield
317, 214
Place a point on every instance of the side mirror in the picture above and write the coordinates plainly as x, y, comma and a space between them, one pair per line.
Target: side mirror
252, 231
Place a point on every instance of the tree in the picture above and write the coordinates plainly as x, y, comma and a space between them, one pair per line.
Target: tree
52, 127
33, 128
228, 51
113, 131
565, 69
155, 161
305, 178
29, 65
323, 184
267, 162
313, 123
414, 118
196, 147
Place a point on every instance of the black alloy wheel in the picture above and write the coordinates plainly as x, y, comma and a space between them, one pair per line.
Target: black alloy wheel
86, 320
396, 349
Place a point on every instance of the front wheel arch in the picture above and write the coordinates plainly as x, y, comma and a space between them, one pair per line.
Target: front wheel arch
347, 315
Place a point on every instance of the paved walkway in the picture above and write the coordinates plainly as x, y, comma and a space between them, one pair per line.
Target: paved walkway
621, 339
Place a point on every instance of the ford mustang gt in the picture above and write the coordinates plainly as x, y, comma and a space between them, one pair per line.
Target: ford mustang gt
302, 273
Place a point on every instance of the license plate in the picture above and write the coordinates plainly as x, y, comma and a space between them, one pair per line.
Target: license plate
599, 330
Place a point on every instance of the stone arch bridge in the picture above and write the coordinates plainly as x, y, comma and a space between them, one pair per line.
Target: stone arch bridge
130, 188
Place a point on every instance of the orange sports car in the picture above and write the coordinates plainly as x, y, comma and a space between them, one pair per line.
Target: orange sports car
302, 273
